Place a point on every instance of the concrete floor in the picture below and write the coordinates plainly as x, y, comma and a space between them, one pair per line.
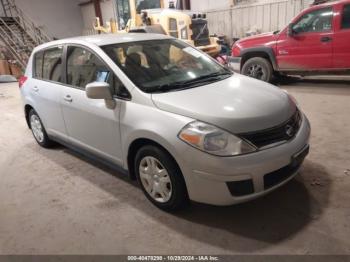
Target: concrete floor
56, 202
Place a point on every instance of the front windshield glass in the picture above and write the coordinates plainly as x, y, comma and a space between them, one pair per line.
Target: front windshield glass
147, 4
165, 65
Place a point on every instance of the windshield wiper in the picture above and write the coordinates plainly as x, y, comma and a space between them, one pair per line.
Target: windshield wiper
207, 78
180, 85
169, 87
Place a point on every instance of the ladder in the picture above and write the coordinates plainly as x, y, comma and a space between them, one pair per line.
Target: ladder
19, 32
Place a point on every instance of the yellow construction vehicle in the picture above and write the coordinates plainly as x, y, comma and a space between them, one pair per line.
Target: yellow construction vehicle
150, 16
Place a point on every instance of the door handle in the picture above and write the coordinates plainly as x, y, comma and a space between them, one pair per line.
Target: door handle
35, 88
325, 39
68, 98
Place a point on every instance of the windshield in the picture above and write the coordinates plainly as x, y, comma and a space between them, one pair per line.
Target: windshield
147, 4
165, 65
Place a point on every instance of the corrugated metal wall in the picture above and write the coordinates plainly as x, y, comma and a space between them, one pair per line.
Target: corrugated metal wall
265, 17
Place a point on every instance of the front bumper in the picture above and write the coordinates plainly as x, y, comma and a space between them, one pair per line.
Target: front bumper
208, 178
234, 63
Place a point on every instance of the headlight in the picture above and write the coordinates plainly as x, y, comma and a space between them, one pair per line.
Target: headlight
214, 140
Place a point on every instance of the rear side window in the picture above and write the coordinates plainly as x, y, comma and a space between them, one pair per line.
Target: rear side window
52, 66
38, 65
84, 67
345, 22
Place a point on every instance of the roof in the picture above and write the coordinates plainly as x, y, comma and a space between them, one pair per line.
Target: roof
328, 3
107, 39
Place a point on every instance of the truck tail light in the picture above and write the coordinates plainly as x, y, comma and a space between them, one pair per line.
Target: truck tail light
22, 80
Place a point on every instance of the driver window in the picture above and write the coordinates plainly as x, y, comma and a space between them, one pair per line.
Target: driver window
316, 21
84, 67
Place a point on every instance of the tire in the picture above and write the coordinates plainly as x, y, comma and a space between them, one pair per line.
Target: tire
162, 175
38, 130
259, 68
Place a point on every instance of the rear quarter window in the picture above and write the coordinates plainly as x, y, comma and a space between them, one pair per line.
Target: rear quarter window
38, 65
345, 22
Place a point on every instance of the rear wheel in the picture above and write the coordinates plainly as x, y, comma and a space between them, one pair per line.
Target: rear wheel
38, 130
160, 178
259, 68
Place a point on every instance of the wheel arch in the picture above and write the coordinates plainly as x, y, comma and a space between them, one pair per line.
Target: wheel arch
27, 109
264, 52
133, 148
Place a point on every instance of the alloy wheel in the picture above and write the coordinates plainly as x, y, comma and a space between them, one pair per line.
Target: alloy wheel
256, 71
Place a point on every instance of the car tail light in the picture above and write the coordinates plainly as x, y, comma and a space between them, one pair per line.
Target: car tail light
22, 80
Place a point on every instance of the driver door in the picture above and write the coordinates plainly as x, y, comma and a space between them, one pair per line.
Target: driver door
311, 45
90, 124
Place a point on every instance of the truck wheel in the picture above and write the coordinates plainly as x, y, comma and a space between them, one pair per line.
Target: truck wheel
259, 68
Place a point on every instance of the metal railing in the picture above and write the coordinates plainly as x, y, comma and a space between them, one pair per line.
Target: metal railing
38, 35
19, 32
13, 45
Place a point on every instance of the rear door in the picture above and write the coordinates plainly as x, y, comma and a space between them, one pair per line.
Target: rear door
90, 124
311, 46
46, 89
341, 58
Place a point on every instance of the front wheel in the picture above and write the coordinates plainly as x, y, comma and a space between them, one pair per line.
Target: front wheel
259, 68
160, 178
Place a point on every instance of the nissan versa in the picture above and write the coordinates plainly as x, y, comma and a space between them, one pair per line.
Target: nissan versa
169, 115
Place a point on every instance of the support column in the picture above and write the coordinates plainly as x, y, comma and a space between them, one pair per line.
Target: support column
98, 12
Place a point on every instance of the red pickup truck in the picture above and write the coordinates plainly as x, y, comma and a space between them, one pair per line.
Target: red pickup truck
316, 42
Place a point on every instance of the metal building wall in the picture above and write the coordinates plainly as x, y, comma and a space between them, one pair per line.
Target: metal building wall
263, 16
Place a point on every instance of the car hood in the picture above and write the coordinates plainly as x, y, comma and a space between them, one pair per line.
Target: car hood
238, 104
266, 39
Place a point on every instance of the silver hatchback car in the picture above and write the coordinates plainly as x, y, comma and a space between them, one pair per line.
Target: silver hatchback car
167, 114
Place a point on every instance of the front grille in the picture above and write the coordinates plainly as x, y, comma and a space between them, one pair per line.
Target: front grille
280, 133
200, 32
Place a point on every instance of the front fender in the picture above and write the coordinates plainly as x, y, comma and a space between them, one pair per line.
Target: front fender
250, 52
148, 122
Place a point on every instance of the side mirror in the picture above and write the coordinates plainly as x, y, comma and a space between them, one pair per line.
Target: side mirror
100, 90
290, 31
